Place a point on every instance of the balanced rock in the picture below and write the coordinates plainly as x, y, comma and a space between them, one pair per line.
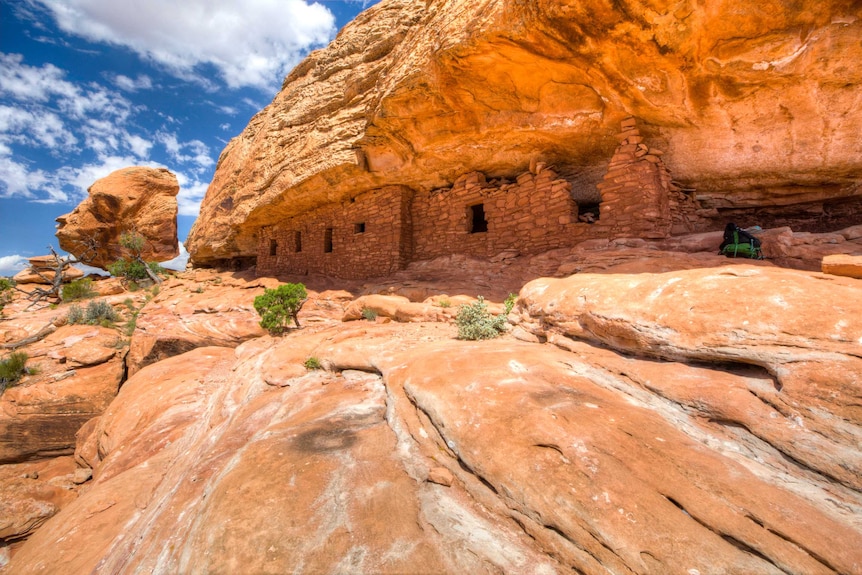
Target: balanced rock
136, 199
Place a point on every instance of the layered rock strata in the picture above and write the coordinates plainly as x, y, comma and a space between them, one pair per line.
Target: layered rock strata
752, 106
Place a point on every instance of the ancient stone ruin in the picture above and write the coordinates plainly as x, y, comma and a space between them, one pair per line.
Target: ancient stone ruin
381, 231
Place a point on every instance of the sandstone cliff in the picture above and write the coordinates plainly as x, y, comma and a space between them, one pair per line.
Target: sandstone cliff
754, 106
132, 199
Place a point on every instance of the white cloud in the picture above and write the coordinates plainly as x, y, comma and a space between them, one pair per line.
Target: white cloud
250, 43
192, 152
142, 82
28, 83
192, 192
11, 265
138, 145
37, 127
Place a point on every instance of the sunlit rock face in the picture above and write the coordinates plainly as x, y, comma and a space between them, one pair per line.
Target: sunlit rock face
754, 105
136, 199
694, 421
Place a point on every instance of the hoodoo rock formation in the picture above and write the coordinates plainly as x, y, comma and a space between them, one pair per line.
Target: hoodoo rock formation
131, 199
751, 107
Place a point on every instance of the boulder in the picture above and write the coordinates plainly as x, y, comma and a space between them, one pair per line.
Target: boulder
45, 275
131, 199
843, 265
747, 103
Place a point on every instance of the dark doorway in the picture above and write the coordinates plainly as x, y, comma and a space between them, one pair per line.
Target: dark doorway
273, 247
327, 241
297, 242
476, 219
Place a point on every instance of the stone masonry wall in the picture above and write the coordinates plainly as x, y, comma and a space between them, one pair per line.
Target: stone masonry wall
381, 231
639, 199
534, 214
370, 236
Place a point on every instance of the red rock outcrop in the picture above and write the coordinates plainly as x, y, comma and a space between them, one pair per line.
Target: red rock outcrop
749, 104
79, 369
723, 439
41, 271
131, 199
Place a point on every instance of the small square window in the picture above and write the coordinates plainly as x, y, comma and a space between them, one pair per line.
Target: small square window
359, 228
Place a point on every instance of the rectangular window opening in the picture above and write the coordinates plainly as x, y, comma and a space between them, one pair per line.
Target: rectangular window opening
359, 228
588, 213
476, 219
327, 241
273, 247
297, 242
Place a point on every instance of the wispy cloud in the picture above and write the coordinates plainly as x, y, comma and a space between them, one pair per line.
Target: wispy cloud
142, 82
251, 43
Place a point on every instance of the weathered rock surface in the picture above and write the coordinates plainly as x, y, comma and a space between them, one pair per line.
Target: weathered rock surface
78, 370
131, 199
33, 492
725, 442
189, 314
843, 265
752, 105
41, 271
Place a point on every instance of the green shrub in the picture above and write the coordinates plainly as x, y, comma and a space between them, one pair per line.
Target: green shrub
78, 289
476, 322
313, 363
98, 312
13, 367
280, 305
510, 302
6, 286
75, 314
134, 270
369, 314
443, 302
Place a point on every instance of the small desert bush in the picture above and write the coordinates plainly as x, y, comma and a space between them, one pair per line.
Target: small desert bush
313, 363
369, 314
98, 312
476, 322
78, 289
444, 302
13, 367
134, 270
6, 286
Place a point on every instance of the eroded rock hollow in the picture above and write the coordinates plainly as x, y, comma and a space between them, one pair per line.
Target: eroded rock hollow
751, 106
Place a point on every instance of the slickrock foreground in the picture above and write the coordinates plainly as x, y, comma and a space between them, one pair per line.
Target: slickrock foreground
695, 421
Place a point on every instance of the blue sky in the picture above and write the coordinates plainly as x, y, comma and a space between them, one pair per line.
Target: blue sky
91, 86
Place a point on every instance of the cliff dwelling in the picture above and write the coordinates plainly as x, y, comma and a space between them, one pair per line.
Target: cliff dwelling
381, 231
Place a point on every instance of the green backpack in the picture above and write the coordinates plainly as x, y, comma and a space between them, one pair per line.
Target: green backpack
737, 249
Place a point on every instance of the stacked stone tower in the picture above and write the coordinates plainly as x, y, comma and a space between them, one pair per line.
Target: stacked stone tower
637, 189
